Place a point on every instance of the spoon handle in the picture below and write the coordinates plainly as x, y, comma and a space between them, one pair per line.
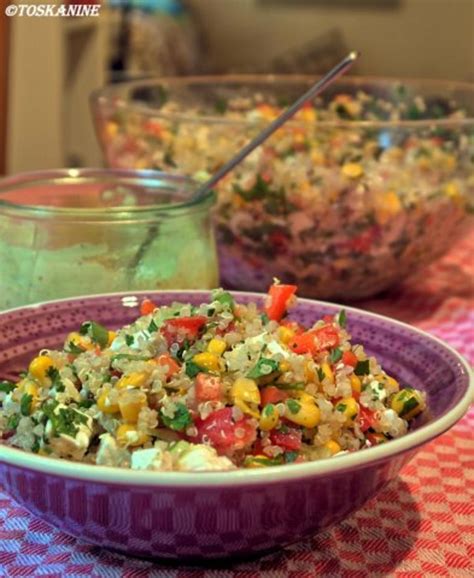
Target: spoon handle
317, 88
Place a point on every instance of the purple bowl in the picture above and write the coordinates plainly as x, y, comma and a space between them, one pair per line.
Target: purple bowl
221, 514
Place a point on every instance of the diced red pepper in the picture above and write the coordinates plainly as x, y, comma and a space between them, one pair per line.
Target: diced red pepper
170, 362
272, 394
208, 388
278, 298
147, 306
349, 358
289, 441
366, 418
177, 329
224, 433
316, 340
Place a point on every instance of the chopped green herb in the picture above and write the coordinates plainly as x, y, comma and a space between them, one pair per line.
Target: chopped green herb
13, 421
86, 403
410, 404
268, 410
335, 355
362, 367
299, 385
192, 369
74, 349
224, 298
25, 403
293, 405
6, 386
64, 421
53, 374
36, 446
181, 419
341, 407
342, 318
153, 327
290, 457
98, 333
265, 319
264, 367
321, 374
131, 356
249, 460
129, 339
168, 158
220, 105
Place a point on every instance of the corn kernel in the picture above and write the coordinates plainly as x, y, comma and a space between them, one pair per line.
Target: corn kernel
309, 371
127, 435
207, 360
352, 170
258, 461
39, 367
111, 128
245, 391
141, 164
131, 402
216, 346
112, 336
392, 383
79, 341
333, 447
284, 366
356, 383
269, 418
328, 372
349, 408
307, 114
408, 403
388, 205
285, 334
304, 413
135, 379
105, 405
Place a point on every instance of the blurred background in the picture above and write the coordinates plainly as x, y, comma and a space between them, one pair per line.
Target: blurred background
49, 66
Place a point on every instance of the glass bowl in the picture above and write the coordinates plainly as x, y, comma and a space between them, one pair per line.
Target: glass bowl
346, 200
73, 232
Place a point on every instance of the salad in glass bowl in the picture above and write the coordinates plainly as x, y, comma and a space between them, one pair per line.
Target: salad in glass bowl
345, 200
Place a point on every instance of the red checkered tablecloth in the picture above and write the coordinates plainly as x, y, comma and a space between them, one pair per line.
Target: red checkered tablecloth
421, 525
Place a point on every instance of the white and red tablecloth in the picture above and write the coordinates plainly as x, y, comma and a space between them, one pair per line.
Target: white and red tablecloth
421, 525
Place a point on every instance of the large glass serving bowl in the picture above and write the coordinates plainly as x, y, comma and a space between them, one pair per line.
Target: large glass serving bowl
77, 232
346, 200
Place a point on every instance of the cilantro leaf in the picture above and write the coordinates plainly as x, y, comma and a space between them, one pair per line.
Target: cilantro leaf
321, 374
192, 369
74, 349
129, 339
293, 405
25, 404
153, 327
53, 374
224, 298
263, 368
64, 421
362, 367
98, 333
342, 318
180, 420
7, 386
335, 355
13, 422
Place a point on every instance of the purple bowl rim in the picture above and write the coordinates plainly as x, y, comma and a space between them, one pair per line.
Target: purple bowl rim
243, 477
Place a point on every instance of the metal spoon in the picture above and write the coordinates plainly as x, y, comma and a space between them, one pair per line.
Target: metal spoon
309, 95
316, 89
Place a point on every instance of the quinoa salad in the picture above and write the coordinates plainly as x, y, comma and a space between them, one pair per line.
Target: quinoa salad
212, 387
344, 201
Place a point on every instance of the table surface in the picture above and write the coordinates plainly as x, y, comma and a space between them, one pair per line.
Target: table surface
421, 525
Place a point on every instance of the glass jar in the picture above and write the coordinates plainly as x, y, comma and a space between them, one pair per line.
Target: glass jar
74, 232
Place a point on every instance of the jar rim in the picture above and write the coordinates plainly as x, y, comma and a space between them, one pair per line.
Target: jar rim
78, 176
